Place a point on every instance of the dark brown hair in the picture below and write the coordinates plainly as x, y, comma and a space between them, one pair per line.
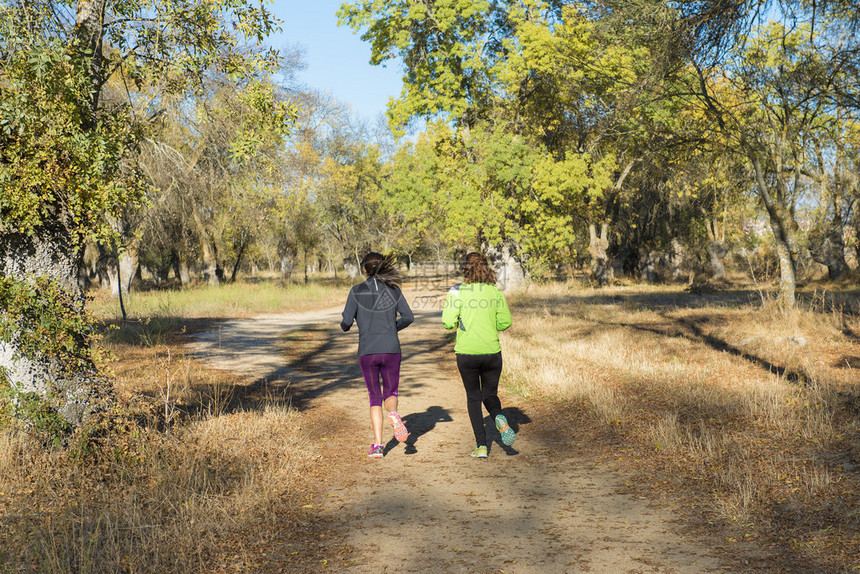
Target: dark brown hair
477, 270
383, 268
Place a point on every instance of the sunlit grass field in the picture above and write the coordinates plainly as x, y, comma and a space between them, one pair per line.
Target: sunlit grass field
750, 411
239, 299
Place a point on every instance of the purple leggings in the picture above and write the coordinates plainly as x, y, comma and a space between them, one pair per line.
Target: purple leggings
385, 364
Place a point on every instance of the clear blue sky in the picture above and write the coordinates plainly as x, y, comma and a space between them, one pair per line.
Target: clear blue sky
337, 60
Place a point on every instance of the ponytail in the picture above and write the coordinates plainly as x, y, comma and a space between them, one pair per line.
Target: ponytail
383, 268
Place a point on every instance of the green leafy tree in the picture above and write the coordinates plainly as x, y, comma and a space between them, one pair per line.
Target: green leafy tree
69, 125
408, 196
347, 193
544, 97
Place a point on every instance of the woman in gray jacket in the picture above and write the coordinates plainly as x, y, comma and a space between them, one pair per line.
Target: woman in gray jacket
378, 307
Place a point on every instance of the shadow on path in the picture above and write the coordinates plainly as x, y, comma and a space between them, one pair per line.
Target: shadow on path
420, 424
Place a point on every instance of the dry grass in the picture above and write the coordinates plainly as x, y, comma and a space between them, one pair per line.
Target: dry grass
755, 408
754, 413
152, 501
171, 481
189, 463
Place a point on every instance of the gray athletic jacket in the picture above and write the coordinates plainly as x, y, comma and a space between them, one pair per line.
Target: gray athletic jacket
375, 306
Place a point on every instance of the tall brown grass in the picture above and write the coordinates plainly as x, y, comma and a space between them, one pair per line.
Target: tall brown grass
238, 299
749, 399
187, 459
162, 484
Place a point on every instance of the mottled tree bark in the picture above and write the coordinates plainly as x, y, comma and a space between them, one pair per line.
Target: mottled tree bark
121, 270
717, 250
509, 269
827, 244
180, 268
287, 252
827, 247
213, 271
601, 267
49, 253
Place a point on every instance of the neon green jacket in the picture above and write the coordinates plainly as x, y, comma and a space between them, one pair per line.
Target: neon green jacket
478, 311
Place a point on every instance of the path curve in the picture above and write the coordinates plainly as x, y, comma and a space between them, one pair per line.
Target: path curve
429, 507
253, 346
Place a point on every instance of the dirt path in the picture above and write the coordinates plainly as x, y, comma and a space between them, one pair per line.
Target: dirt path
428, 506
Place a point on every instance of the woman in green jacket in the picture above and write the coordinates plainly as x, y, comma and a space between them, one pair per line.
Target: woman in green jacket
478, 310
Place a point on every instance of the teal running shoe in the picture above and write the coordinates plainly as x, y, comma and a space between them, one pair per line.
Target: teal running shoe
508, 435
480, 452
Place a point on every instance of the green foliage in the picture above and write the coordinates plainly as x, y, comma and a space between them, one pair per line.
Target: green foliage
562, 193
535, 94
445, 46
69, 122
52, 153
347, 193
264, 120
494, 186
37, 413
465, 187
45, 320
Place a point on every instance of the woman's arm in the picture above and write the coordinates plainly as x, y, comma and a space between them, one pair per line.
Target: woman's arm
451, 310
406, 316
503, 313
349, 311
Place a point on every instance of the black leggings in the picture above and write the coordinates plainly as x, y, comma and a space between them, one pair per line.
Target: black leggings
480, 374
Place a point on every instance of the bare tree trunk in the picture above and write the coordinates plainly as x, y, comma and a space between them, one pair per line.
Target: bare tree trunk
601, 269
119, 277
239, 254
180, 267
506, 260
717, 250
121, 270
270, 262
129, 263
827, 247
287, 254
174, 264
783, 226
89, 31
212, 271
349, 265
827, 244
287, 265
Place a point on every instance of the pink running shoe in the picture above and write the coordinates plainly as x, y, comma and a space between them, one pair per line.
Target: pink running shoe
375, 451
400, 432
